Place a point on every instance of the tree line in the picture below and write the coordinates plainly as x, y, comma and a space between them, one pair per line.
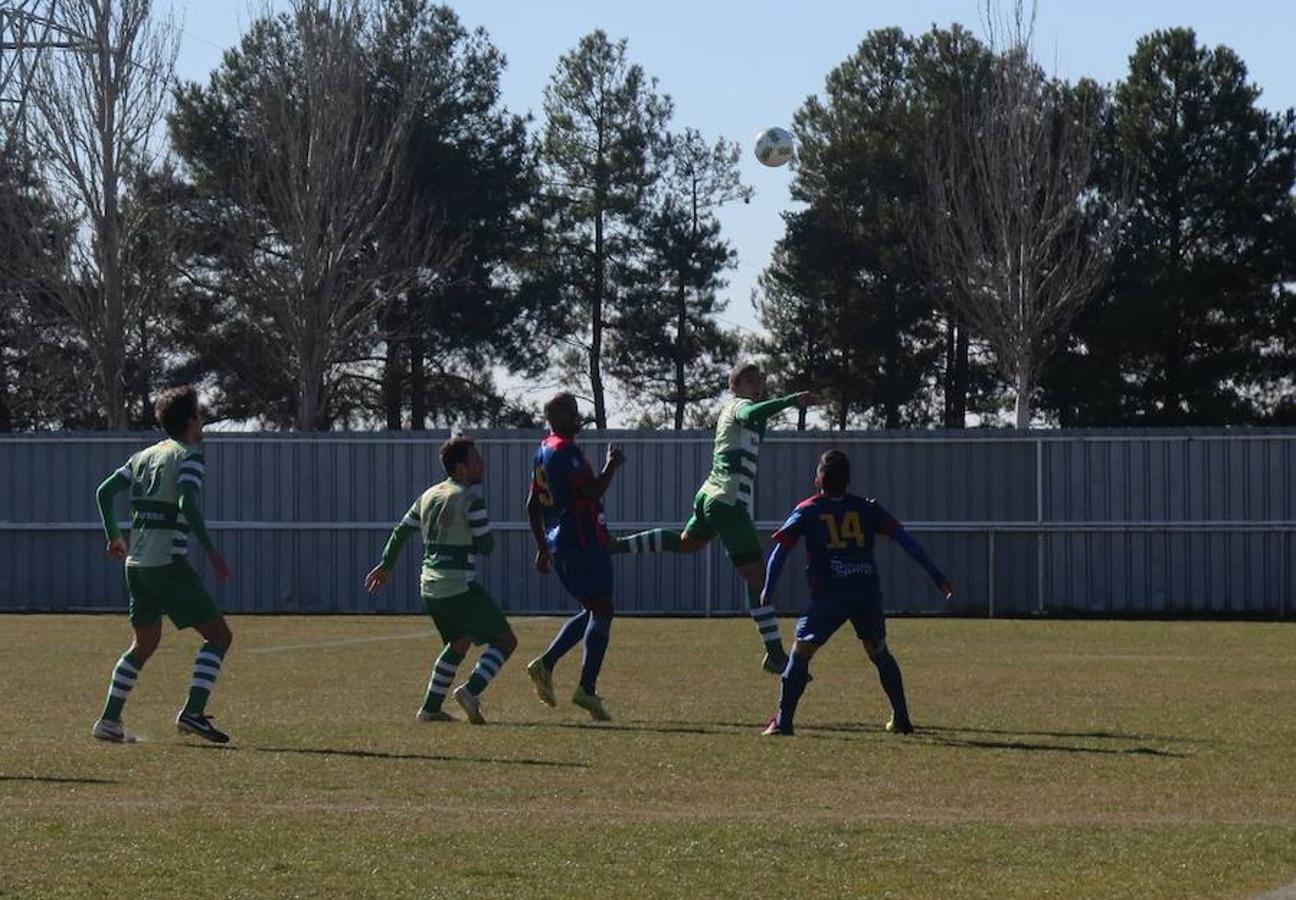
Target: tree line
346, 227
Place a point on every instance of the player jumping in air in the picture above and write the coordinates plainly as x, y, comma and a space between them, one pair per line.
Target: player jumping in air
571, 536
165, 482
723, 505
452, 521
839, 529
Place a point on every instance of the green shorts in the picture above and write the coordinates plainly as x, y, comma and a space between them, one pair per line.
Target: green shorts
730, 522
472, 614
175, 590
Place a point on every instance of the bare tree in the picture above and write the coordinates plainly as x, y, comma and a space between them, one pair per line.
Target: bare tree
1014, 228
97, 106
27, 29
325, 165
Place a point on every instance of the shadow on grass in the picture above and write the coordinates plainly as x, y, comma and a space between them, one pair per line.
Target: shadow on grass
959, 729
378, 754
53, 779
657, 727
943, 736
1055, 748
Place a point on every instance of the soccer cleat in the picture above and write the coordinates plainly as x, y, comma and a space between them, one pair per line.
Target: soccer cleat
434, 715
471, 705
774, 664
200, 725
773, 729
591, 703
113, 732
905, 727
542, 678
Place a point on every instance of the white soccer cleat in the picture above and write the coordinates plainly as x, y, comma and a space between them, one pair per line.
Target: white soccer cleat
439, 715
113, 732
471, 705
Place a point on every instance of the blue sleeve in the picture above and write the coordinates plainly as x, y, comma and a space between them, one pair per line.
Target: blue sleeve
887, 524
774, 566
791, 529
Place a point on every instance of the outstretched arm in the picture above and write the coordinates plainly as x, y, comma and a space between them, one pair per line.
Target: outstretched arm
897, 532
759, 413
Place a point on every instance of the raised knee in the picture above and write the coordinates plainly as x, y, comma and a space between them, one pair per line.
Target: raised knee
461, 646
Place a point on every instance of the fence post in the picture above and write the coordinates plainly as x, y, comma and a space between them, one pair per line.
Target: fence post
1039, 520
990, 568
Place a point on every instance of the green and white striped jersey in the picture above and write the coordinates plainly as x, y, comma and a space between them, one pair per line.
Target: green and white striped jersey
737, 449
159, 531
452, 520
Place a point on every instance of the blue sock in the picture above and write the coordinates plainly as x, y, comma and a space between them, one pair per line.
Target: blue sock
892, 683
795, 676
596, 641
568, 636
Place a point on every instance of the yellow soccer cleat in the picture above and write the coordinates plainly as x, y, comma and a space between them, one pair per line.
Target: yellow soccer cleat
894, 727
542, 678
593, 704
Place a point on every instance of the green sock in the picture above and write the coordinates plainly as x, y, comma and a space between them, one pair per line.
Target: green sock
123, 679
656, 540
766, 619
205, 669
488, 666
443, 673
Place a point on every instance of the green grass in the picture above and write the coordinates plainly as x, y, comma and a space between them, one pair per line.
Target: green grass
1054, 759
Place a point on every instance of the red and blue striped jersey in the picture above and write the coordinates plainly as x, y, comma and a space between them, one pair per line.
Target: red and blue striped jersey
839, 532
571, 522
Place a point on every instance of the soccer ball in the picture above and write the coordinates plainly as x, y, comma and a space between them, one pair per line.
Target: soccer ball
774, 146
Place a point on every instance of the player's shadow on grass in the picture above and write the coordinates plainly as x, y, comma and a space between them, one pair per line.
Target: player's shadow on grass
427, 757
55, 779
658, 727
1102, 735
946, 736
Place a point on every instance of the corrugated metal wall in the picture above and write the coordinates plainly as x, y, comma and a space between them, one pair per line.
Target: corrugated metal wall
1087, 522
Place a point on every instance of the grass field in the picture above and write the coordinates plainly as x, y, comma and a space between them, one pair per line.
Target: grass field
1054, 759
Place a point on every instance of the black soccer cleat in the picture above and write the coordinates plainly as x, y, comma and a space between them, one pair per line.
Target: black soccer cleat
189, 723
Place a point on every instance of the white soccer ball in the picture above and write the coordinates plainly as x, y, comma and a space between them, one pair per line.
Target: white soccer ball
775, 146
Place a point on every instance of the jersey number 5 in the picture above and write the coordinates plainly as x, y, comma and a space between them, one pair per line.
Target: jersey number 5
848, 528
542, 487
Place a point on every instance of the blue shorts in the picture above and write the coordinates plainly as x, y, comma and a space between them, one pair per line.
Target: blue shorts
827, 614
585, 573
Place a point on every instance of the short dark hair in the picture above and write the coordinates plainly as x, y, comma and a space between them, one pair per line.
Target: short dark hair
835, 467
175, 408
455, 451
562, 398
738, 371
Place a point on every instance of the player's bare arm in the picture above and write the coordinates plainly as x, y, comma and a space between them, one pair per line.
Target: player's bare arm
535, 516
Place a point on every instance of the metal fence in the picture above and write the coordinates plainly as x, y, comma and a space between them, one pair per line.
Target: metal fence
1074, 522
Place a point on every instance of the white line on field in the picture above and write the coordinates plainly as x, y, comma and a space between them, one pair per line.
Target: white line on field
345, 642
1287, 892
